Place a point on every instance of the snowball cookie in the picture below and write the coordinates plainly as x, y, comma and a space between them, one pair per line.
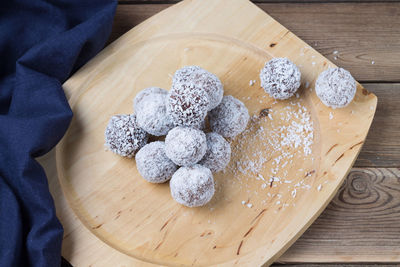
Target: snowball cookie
185, 146
230, 118
123, 136
335, 87
153, 164
151, 111
204, 79
218, 153
192, 186
145, 93
187, 104
280, 78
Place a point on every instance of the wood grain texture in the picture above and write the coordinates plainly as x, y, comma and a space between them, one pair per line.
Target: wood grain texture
382, 147
124, 212
366, 209
75, 234
135, 2
360, 32
342, 264
361, 224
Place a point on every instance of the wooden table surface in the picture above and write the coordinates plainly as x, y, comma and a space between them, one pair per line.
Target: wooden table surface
362, 223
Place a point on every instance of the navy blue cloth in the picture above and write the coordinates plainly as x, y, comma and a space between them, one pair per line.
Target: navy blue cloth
41, 44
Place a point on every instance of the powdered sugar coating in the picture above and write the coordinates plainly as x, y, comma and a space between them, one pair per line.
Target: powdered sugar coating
153, 164
218, 153
151, 111
229, 118
204, 79
187, 104
146, 92
123, 136
280, 78
185, 146
335, 87
192, 186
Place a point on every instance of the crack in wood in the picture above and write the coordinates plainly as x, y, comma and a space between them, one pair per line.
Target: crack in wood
359, 143
240, 246
159, 244
98, 226
330, 149
341, 156
165, 224
259, 214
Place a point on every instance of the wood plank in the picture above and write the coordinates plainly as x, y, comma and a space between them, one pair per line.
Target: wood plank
382, 147
135, 2
334, 265
360, 32
361, 224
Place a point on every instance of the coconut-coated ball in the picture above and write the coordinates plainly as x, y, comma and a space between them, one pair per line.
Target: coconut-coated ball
153, 164
151, 111
229, 118
185, 146
146, 92
187, 104
335, 87
192, 186
123, 136
280, 78
218, 153
203, 79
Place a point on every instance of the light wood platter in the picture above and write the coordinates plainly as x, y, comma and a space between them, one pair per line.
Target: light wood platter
232, 39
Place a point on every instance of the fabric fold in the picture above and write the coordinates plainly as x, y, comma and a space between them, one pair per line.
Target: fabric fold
41, 44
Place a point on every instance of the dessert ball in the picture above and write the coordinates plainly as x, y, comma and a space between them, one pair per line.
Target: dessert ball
187, 104
335, 87
192, 186
229, 118
146, 92
280, 78
204, 79
123, 136
218, 153
153, 164
151, 111
185, 146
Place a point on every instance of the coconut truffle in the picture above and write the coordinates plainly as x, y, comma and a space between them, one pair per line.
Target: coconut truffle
280, 78
151, 111
229, 118
153, 164
185, 146
123, 136
204, 79
187, 104
192, 186
146, 92
218, 153
335, 87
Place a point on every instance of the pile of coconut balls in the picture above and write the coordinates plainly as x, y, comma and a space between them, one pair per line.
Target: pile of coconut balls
189, 156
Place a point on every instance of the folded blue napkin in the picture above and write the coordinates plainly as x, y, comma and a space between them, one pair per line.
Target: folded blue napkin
41, 44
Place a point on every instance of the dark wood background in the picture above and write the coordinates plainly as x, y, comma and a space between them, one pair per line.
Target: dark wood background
362, 224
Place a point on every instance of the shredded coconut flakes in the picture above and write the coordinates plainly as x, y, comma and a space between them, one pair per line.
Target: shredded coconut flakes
269, 147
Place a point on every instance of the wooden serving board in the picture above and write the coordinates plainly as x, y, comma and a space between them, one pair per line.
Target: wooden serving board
251, 220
